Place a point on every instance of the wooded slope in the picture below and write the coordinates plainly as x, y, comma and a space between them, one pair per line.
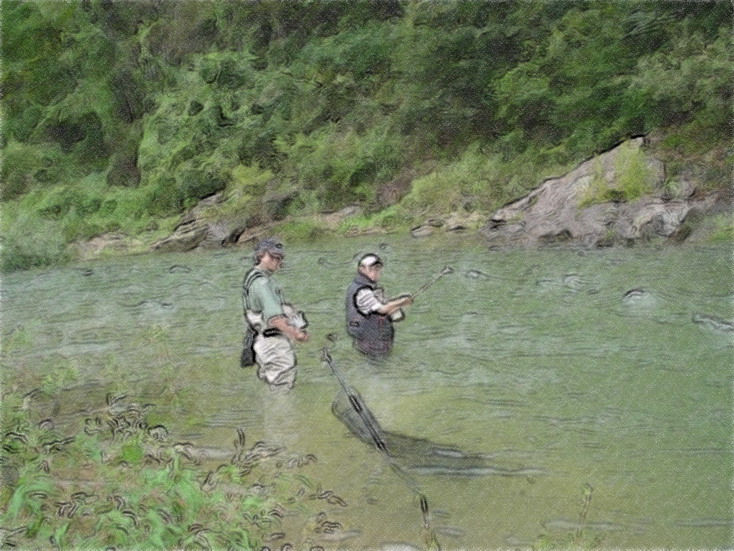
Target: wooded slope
120, 115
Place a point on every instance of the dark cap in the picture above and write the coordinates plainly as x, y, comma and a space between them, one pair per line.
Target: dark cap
369, 260
271, 246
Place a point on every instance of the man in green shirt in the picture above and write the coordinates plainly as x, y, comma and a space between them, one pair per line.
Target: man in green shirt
276, 324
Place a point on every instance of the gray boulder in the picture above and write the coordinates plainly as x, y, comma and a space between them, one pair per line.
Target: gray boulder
587, 206
194, 231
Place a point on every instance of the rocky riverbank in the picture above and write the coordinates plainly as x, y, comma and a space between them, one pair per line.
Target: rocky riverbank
620, 197
591, 205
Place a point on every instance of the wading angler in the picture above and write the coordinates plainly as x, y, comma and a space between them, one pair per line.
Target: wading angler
370, 315
272, 325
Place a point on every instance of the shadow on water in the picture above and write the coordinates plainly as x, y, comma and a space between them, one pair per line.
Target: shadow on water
418, 455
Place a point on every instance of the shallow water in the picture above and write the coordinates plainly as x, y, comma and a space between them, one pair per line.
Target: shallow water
607, 367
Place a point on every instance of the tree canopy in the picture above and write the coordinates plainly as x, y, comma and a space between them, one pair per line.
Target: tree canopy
120, 114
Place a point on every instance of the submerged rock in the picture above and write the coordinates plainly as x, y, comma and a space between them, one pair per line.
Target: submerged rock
476, 274
634, 295
573, 282
399, 546
422, 231
713, 322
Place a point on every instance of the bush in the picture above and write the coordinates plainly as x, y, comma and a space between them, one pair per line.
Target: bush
23, 126
195, 184
123, 168
632, 173
30, 241
243, 194
163, 197
478, 180
300, 230
691, 80
392, 218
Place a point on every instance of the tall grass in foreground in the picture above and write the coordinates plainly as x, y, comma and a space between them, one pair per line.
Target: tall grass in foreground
120, 482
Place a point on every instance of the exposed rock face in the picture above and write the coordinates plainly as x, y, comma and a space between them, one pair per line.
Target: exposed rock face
96, 246
587, 206
559, 210
195, 232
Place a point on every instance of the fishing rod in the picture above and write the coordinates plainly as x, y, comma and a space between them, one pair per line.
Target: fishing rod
382, 447
446, 270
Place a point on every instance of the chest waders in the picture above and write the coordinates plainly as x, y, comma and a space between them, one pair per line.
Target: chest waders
372, 333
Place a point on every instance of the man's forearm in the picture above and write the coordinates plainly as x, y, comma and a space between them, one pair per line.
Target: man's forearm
394, 304
281, 324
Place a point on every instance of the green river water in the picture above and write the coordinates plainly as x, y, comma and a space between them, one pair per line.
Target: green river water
539, 360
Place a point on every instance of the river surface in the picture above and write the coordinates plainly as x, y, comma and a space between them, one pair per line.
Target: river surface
611, 368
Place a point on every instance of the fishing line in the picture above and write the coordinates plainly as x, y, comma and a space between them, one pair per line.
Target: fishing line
380, 444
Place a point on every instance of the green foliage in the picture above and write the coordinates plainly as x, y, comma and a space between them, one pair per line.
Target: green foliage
479, 180
342, 168
20, 338
392, 218
300, 230
690, 82
632, 171
247, 184
30, 241
334, 100
132, 453
25, 167
63, 373
724, 232
120, 481
578, 538
633, 179
597, 189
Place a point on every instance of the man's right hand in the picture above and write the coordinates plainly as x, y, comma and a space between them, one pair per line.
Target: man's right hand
281, 323
405, 300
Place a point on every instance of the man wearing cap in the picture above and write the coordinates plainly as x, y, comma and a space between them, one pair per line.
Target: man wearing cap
271, 318
370, 316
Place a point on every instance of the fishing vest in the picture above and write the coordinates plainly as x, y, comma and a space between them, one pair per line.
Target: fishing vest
255, 320
372, 333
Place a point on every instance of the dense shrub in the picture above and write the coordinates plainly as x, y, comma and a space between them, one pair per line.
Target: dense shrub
30, 241
337, 100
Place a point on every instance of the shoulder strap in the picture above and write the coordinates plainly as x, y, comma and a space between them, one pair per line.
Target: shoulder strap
250, 277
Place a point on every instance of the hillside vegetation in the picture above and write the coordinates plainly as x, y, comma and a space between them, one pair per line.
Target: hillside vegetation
120, 115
